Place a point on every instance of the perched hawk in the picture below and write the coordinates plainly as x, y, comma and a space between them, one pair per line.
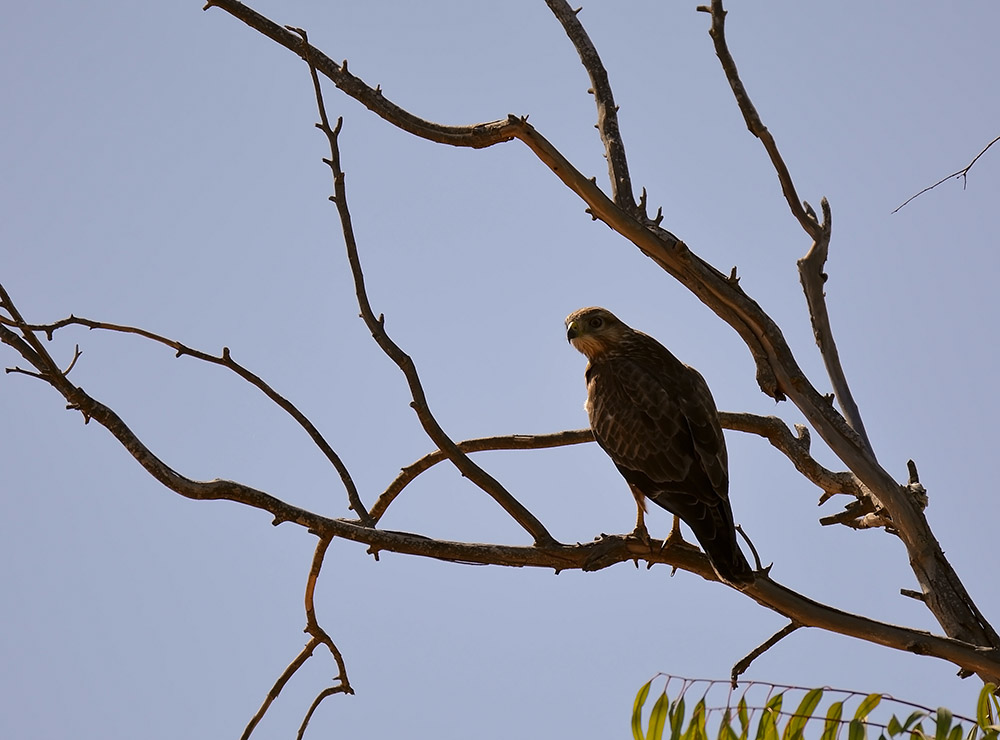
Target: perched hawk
656, 419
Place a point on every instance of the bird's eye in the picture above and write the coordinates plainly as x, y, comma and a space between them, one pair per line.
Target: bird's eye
596, 323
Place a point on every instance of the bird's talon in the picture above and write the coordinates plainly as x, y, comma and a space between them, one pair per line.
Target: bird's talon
642, 535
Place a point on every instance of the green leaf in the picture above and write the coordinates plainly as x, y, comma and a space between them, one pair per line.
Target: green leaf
767, 727
943, 724
984, 713
857, 729
676, 718
640, 700
803, 713
696, 729
744, 716
771, 729
831, 728
894, 727
866, 706
726, 728
917, 733
956, 733
775, 703
658, 717
914, 717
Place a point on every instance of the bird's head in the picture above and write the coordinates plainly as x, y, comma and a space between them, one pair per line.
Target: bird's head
594, 330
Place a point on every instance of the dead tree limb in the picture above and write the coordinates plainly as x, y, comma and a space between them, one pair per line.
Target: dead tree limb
225, 359
962, 173
376, 326
778, 373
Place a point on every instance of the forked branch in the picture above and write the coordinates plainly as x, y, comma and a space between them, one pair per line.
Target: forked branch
795, 448
376, 326
225, 360
607, 551
317, 637
962, 173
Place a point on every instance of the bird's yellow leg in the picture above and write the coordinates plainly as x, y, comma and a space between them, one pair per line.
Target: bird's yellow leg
640, 532
675, 536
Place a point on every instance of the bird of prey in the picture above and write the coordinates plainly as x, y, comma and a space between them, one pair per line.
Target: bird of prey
656, 419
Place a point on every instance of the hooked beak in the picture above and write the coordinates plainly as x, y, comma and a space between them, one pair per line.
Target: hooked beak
572, 331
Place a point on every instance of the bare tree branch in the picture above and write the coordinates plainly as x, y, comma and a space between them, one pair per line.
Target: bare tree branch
603, 552
343, 685
607, 110
283, 679
376, 326
482, 444
226, 360
813, 279
947, 597
811, 266
963, 173
754, 124
741, 667
972, 643
794, 448
317, 637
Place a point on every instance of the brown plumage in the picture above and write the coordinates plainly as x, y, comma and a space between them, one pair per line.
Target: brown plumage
656, 419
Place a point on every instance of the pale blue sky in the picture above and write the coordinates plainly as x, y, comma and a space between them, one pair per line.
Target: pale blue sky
160, 168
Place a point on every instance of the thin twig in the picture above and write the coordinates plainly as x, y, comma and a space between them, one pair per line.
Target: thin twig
314, 706
226, 360
376, 325
279, 684
317, 637
481, 444
963, 173
753, 121
343, 685
607, 110
741, 667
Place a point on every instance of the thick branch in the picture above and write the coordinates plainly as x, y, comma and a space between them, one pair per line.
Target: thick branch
813, 278
607, 110
947, 597
794, 448
476, 136
606, 551
777, 371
